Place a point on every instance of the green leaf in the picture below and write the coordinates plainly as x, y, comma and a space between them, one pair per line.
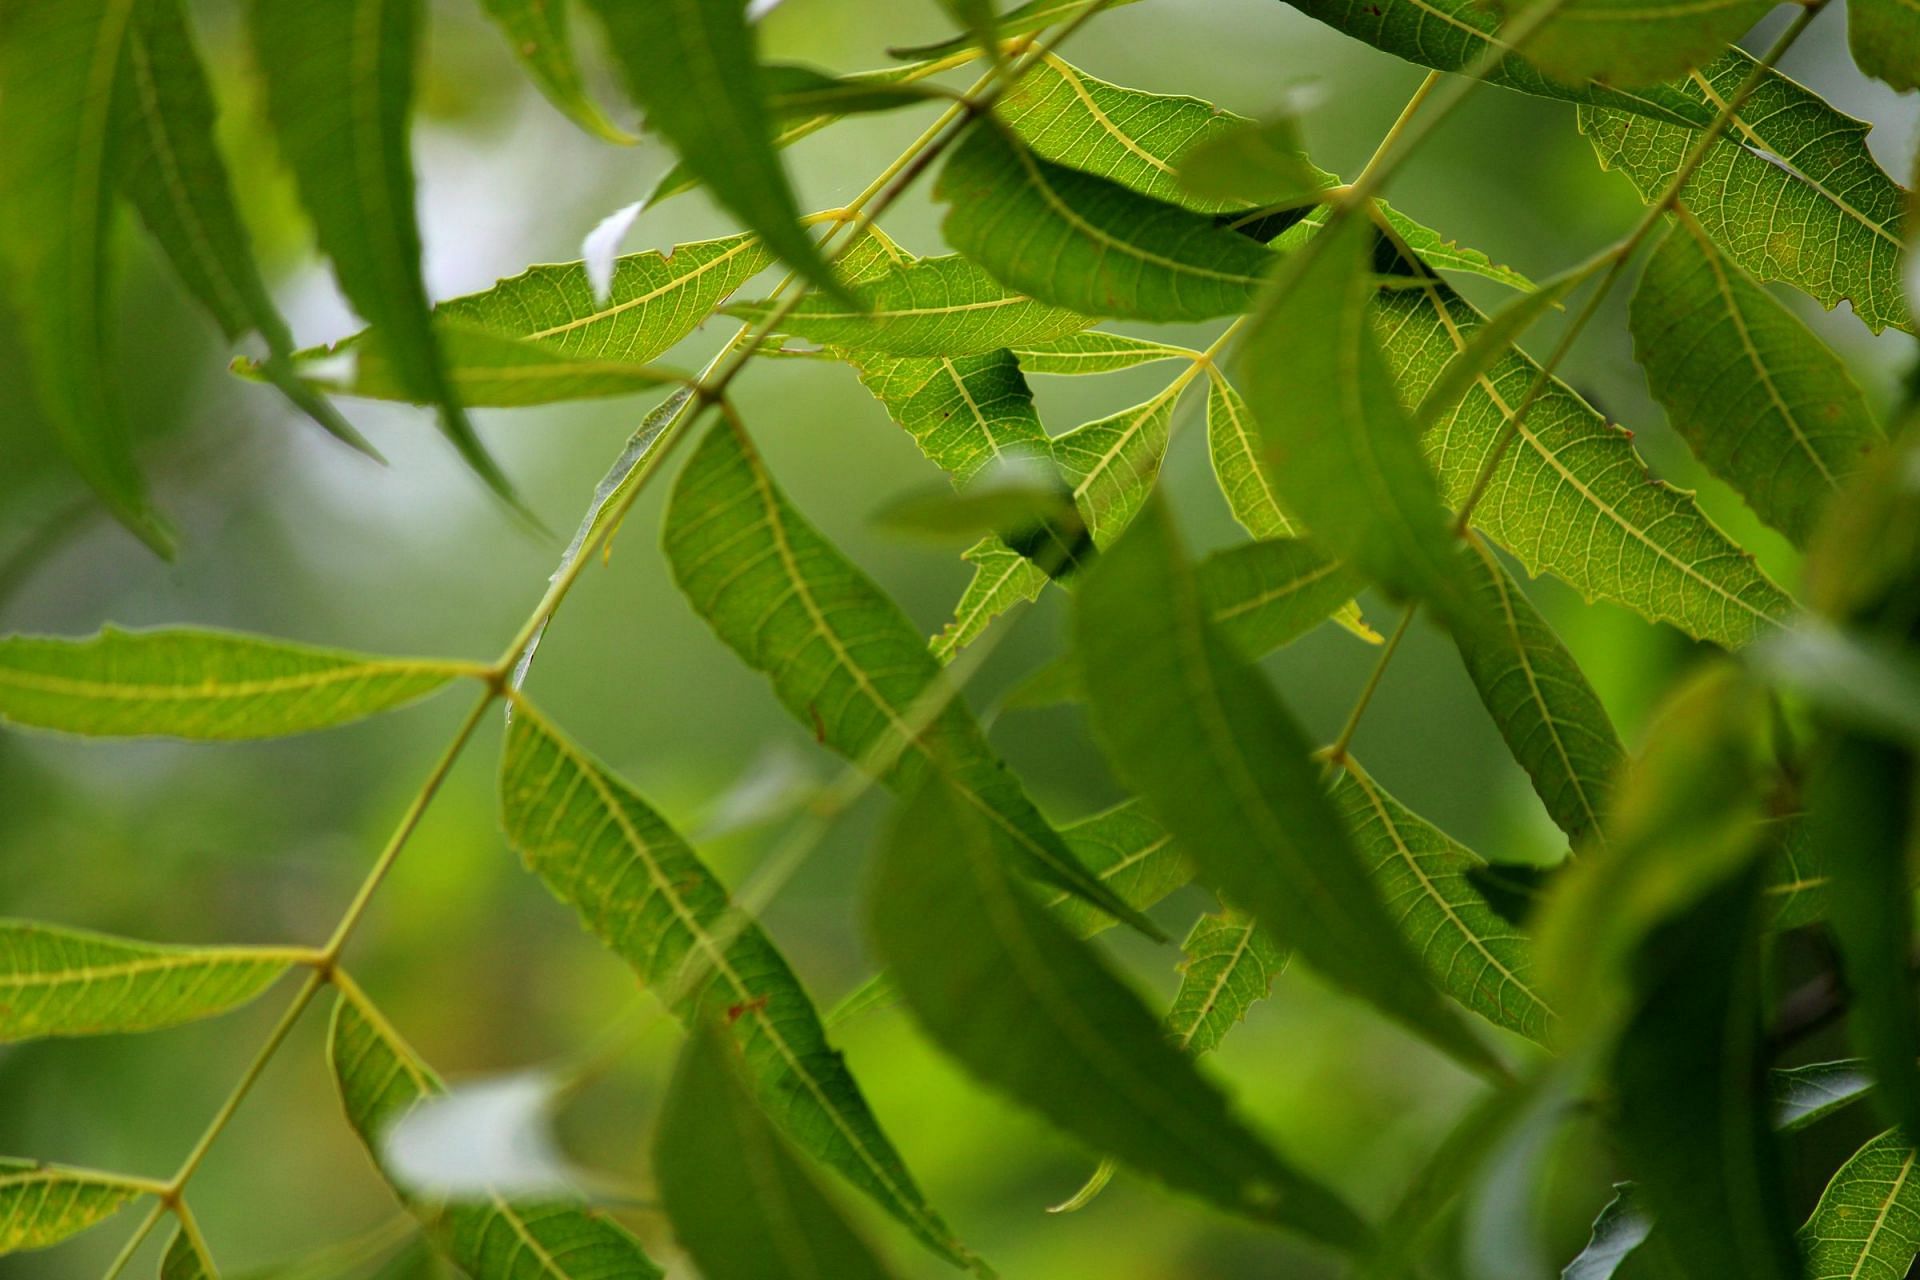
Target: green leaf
964, 412
1571, 497
60, 77
1113, 462
1853, 676
842, 657
1233, 442
944, 306
339, 86
1017, 21
42, 1204
380, 1079
801, 92
1626, 44
1754, 393
186, 1256
1336, 443
545, 324
1085, 242
1262, 595
1867, 1224
1791, 195
1802, 1095
643, 891
1424, 877
536, 31
1885, 38
1490, 344
1229, 966
1026, 1008
1692, 1121
69, 982
741, 1202
205, 685
1620, 1229
1258, 162
1129, 851
1002, 579
1552, 720
1196, 731
691, 64
1095, 351
1798, 889
173, 174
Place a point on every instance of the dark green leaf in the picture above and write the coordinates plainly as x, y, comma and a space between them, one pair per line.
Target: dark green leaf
186, 1256
536, 31
1625, 44
1885, 38
741, 1201
999, 984
1017, 21
802, 92
1197, 732
1853, 676
1259, 162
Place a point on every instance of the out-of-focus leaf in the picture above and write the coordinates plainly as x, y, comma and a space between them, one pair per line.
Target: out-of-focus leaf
495, 1237
984, 507
742, 1203
1798, 890
1867, 1224
1423, 875
643, 891
206, 685
1113, 462
1196, 731
1754, 393
1802, 1095
1552, 720
1095, 351
842, 657
1859, 815
1403, 1239
186, 1257
1618, 1231
691, 64
944, 306
1228, 965
1791, 194
1885, 38
1259, 162
803, 93
59, 75
536, 31
69, 982
1854, 677
548, 319
339, 86
1624, 44
1866, 556
1000, 985
42, 1204
1692, 1117
1337, 445
1084, 242
1017, 21
173, 174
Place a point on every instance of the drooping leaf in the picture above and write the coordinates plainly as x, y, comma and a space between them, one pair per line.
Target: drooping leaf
1754, 393
69, 982
1000, 985
1335, 442
205, 685
60, 76
1570, 497
1113, 462
1233, 442
1867, 1224
1228, 965
1196, 731
186, 1257
691, 64
1802, 1095
1885, 38
1552, 720
945, 306
796, 92
1626, 45
172, 172
742, 1203
644, 892
1084, 242
536, 31
1095, 351
1792, 194
339, 87
42, 1204
1423, 875
841, 656
1693, 1123
380, 1079
516, 342
1017, 21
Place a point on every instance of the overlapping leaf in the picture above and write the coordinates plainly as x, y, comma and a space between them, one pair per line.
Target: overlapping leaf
1802, 1095
1627, 44
68, 982
841, 656
493, 1238
644, 892
1198, 733
741, 1201
1017, 21
1002, 579
1262, 595
1113, 462
1233, 441
1228, 966
1128, 850
1756, 395
207, 685
1885, 38
1867, 1224
999, 984
186, 1257
42, 1204
1095, 351
536, 31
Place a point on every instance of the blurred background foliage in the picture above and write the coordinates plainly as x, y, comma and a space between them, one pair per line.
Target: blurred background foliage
287, 533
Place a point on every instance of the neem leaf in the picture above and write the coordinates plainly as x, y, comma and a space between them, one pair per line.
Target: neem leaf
1255, 163
1017, 21
536, 31
1802, 1095
1095, 351
1885, 38
1030, 1010
1867, 1224
1624, 43
1228, 964
802, 92
42, 1204
206, 685
186, 1257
